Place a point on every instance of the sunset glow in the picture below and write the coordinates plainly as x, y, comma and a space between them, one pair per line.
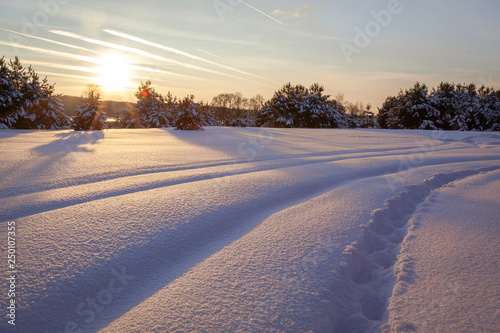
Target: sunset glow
114, 75
250, 166
366, 50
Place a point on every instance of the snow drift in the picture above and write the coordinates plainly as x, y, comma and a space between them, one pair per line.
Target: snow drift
248, 230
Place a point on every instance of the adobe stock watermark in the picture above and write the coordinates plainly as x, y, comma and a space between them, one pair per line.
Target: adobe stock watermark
489, 82
222, 7
92, 306
250, 149
294, 279
364, 37
253, 146
40, 19
425, 149
12, 275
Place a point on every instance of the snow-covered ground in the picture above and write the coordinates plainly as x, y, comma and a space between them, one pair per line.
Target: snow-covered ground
252, 230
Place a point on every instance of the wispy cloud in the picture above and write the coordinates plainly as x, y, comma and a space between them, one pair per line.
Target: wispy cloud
296, 12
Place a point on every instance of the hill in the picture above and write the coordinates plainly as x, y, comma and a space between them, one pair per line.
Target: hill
112, 107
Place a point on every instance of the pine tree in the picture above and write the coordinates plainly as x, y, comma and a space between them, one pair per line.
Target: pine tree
207, 116
153, 109
283, 109
449, 107
489, 110
52, 115
41, 109
28, 102
9, 95
313, 109
188, 117
128, 119
468, 106
446, 101
418, 112
90, 114
298, 106
384, 111
238, 122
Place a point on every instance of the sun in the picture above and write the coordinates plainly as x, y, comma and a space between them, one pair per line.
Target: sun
114, 72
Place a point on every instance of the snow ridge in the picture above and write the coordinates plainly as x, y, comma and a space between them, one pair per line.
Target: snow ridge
373, 265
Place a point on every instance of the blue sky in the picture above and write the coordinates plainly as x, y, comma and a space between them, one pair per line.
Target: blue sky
366, 50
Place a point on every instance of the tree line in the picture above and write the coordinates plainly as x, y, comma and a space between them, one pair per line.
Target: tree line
28, 102
448, 107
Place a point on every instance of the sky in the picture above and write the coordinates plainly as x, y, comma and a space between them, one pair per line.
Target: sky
365, 50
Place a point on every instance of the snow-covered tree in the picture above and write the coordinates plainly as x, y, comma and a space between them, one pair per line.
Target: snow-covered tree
239, 122
313, 108
446, 101
467, 109
9, 95
188, 115
206, 115
384, 112
152, 108
298, 106
448, 107
91, 114
28, 102
411, 109
128, 119
46, 113
284, 107
41, 108
487, 118
416, 111
477, 109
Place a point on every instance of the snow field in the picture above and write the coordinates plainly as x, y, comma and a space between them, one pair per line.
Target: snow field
375, 263
451, 282
222, 230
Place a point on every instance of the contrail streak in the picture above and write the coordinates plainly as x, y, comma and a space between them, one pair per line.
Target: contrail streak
45, 51
50, 41
259, 11
87, 78
61, 66
210, 54
159, 71
139, 52
179, 52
